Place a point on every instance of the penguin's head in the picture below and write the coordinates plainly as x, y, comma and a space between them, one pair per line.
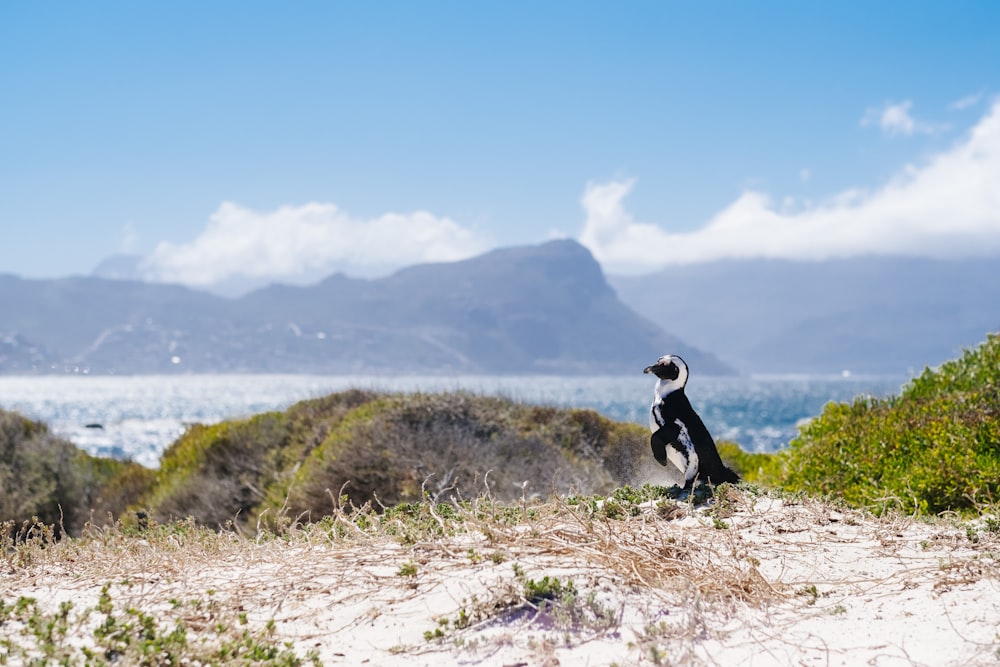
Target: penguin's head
671, 370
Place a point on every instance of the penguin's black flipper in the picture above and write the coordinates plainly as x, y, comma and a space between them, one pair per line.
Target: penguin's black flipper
663, 437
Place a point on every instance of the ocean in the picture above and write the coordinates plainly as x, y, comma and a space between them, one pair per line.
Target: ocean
137, 417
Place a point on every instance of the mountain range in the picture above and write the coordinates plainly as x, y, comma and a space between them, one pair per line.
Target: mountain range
545, 309
876, 315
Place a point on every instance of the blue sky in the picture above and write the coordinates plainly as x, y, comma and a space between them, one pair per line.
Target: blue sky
266, 140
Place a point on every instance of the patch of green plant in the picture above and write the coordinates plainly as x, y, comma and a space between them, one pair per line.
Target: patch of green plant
934, 448
128, 637
627, 501
549, 603
561, 605
726, 498
48, 478
810, 593
412, 522
215, 473
719, 524
752, 467
547, 588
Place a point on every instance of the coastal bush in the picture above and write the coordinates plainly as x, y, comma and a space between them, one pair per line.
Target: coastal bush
37, 472
386, 448
48, 478
933, 448
215, 473
400, 447
753, 467
309, 424
109, 489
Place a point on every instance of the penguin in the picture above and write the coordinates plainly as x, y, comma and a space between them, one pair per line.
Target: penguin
678, 434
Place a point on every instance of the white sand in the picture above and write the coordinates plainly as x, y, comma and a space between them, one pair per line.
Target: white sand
775, 583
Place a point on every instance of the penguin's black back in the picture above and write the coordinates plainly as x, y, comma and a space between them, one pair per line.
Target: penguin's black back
676, 405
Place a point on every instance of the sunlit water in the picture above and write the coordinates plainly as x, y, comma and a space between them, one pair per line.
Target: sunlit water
140, 415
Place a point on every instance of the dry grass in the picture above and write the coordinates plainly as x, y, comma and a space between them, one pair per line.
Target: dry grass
636, 578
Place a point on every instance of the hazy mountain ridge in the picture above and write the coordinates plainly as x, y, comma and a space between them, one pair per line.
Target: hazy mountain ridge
531, 309
867, 315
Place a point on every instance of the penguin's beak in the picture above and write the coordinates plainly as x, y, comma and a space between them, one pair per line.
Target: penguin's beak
648, 369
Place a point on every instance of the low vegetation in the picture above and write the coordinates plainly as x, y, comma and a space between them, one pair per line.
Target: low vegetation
387, 449
133, 637
377, 448
198, 629
934, 448
48, 479
399, 447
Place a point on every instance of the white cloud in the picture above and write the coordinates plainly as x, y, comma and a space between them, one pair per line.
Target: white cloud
895, 119
947, 207
966, 102
298, 244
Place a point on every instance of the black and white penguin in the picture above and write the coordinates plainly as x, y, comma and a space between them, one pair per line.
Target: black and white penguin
679, 436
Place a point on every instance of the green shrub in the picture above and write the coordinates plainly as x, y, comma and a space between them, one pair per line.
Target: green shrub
387, 448
934, 448
753, 467
111, 488
236, 469
399, 447
49, 478
216, 474
37, 472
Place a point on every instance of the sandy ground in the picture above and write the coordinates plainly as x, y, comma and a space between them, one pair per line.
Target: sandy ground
764, 581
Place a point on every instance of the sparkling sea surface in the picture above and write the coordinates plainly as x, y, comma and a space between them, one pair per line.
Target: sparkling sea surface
139, 416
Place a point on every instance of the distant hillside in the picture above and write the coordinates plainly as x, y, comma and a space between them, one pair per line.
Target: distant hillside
533, 309
868, 315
